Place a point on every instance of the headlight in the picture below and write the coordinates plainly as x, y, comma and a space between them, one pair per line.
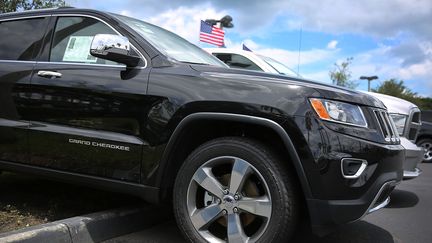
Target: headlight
399, 120
340, 112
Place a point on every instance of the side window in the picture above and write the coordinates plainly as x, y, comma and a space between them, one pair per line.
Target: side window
19, 39
73, 37
237, 61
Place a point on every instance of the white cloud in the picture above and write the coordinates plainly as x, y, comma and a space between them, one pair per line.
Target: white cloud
385, 65
290, 58
332, 44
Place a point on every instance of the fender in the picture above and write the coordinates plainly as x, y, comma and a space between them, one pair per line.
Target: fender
244, 119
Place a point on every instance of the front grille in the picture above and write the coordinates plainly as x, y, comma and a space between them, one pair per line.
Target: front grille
412, 135
416, 117
388, 128
413, 125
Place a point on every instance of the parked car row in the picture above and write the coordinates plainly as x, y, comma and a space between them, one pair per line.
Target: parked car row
113, 102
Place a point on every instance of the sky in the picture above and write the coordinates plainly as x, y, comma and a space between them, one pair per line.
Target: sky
386, 38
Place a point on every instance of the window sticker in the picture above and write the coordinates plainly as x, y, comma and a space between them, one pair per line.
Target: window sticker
78, 50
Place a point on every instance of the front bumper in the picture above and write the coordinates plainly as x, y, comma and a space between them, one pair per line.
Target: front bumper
338, 200
330, 213
413, 156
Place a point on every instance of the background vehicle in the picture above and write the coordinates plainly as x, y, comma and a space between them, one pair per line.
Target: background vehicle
251, 61
424, 138
405, 114
113, 102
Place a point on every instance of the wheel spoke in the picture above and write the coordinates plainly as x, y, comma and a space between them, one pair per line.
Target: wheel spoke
235, 229
205, 178
260, 206
239, 174
204, 217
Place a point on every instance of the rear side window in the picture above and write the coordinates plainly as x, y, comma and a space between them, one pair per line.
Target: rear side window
237, 61
73, 37
19, 39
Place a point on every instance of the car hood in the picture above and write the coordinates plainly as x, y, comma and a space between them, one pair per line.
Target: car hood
394, 104
327, 91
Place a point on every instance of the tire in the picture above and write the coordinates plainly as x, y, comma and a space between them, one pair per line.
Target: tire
269, 190
426, 143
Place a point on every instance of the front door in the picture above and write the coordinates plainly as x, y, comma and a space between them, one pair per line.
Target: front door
85, 117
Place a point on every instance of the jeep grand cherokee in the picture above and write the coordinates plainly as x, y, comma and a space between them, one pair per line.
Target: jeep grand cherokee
117, 103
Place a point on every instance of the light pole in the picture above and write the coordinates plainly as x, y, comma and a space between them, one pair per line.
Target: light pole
369, 79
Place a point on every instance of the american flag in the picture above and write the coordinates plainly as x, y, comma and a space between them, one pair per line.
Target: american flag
211, 34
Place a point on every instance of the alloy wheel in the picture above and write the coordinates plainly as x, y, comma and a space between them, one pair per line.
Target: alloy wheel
228, 200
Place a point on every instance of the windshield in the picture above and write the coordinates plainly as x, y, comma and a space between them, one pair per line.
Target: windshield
279, 67
170, 44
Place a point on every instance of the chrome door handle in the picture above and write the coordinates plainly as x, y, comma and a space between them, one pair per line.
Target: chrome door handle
49, 74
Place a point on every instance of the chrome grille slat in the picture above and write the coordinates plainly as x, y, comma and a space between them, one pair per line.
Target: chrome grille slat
387, 126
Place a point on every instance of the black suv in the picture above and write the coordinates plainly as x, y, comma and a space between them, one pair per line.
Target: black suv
116, 103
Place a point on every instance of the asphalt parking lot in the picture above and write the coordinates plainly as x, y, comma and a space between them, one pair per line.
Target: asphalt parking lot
408, 218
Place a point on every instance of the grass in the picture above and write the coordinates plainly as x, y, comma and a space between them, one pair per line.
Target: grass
27, 201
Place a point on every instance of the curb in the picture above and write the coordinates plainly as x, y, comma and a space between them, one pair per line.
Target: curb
95, 227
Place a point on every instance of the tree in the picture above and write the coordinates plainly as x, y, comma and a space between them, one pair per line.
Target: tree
341, 74
397, 88
17, 5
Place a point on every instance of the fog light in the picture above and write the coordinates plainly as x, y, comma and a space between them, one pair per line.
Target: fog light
353, 168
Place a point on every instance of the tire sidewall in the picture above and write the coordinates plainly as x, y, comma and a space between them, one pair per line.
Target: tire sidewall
257, 158
421, 142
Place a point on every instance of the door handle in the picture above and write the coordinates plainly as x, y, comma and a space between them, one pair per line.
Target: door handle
49, 74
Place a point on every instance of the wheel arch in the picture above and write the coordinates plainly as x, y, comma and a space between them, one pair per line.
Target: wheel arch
166, 176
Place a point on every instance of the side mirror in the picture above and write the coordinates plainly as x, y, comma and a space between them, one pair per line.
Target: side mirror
115, 48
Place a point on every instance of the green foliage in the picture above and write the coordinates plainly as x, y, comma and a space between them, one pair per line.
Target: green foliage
397, 88
341, 74
18, 5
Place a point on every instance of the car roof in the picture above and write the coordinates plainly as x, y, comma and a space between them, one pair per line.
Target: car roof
48, 11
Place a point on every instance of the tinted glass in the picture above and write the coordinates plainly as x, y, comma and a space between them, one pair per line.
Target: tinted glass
237, 61
169, 43
279, 67
20, 38
73, 37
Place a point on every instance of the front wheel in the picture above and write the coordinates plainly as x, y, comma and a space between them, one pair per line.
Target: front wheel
235, 190
426, 144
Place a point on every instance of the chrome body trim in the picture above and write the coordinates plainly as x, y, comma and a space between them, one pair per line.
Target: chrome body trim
411, 174
49, 74
373, 208
65, 63
84, 64
359, 172
380, 206
25, 17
